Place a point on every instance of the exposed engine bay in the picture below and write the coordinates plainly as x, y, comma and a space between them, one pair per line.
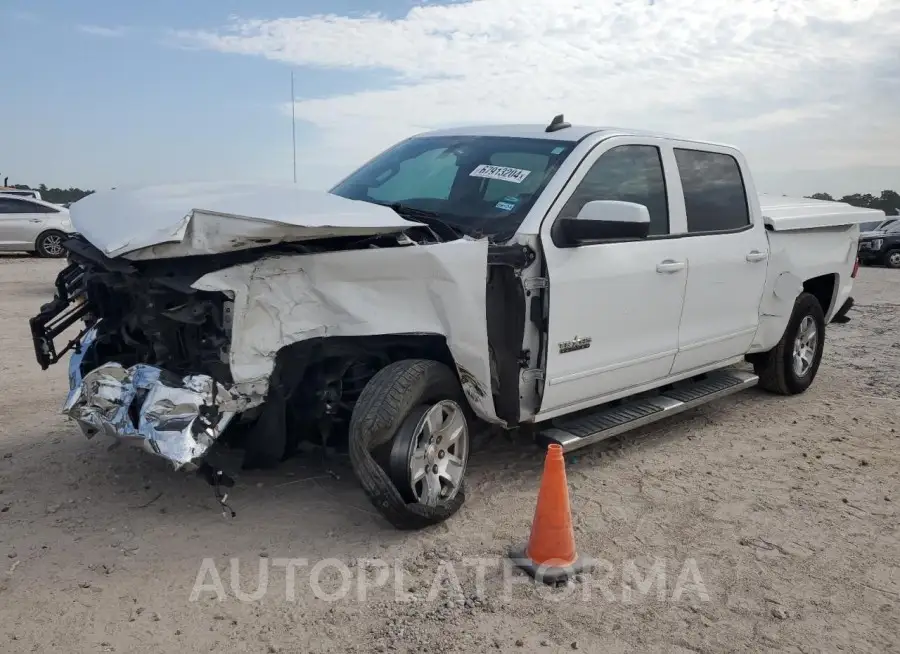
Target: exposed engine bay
150, 312
141, 319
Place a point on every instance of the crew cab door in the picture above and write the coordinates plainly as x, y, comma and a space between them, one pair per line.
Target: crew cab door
614, 307
727, 250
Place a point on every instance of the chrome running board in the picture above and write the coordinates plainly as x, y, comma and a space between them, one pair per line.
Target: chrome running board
594, 425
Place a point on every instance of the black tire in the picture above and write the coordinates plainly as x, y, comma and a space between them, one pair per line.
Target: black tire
49, 244
892, 259
395, 392
775, 367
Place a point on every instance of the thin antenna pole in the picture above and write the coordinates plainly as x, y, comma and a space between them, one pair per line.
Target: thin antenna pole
293, 128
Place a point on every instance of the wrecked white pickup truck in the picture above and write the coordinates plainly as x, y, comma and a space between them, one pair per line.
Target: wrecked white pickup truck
570, 282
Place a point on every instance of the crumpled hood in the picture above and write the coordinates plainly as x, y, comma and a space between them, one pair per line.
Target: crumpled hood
177, 220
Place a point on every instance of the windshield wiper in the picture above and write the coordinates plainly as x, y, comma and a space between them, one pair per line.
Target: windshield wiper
443, 229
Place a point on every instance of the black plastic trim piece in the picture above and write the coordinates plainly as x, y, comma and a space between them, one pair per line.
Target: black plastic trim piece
506, 309
514, 256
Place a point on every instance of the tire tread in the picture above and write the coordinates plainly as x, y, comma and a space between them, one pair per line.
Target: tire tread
772, 366
380, 409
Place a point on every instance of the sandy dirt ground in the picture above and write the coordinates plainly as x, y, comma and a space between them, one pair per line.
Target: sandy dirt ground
787, 508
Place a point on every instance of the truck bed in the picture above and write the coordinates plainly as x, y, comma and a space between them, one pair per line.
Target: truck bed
782, 213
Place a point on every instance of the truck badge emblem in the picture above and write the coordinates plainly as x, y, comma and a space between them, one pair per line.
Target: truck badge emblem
574, 345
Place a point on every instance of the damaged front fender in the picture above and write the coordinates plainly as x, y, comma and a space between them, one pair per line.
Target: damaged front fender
177, 418
417, 290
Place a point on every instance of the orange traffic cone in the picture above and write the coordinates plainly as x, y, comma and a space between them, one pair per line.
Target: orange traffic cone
550, 554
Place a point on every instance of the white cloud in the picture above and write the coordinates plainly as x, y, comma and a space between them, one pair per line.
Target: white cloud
801, 84
106, 32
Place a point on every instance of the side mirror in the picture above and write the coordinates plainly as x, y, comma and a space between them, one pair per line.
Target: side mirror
604, 220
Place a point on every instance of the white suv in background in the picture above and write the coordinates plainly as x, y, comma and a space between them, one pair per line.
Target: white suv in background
31, 225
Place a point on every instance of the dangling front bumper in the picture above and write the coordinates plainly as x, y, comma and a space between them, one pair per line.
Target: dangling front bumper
177, 418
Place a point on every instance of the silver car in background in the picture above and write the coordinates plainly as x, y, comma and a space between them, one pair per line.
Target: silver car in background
32, 225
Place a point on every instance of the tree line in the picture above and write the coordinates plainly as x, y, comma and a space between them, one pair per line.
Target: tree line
888, 201
56, 195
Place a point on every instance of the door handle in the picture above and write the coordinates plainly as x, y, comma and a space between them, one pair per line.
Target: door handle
669, 266
756, 255
35, 220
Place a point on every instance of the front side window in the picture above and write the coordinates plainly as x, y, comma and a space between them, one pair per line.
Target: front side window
483, 185
714, 195
627, 173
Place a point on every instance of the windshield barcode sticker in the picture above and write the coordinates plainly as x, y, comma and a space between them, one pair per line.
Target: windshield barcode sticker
514, 175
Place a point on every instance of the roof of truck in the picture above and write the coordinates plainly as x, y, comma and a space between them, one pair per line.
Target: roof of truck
572, 133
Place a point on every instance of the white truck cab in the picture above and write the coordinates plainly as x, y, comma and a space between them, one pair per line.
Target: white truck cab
696, 291
568, 282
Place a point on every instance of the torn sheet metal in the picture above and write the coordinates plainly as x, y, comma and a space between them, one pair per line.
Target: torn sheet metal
429, 289
173, 417
178, 220
797, 255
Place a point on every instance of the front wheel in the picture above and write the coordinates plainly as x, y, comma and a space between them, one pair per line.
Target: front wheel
417, 409
429, 453
892, 259
49, 245
790, 367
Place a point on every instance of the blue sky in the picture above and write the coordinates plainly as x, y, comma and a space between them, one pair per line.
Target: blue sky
100, 93
91, 109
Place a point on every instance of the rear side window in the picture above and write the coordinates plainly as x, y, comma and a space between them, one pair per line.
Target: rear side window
714, 193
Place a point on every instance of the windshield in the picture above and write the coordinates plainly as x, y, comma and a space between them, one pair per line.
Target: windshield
483, 185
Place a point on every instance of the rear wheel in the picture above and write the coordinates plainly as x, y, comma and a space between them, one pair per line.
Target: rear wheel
50, 245
791, 366
892, 259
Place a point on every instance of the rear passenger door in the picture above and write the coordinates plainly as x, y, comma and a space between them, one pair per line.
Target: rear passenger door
727, 251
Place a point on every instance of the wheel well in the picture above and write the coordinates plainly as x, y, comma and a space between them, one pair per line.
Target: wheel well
309, 363
44, 233
315, 384
822, 288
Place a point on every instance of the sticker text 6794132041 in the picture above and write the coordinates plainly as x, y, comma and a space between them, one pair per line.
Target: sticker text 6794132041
504, 173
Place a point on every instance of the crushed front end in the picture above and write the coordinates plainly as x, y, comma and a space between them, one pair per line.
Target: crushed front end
149, 365
177, 418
